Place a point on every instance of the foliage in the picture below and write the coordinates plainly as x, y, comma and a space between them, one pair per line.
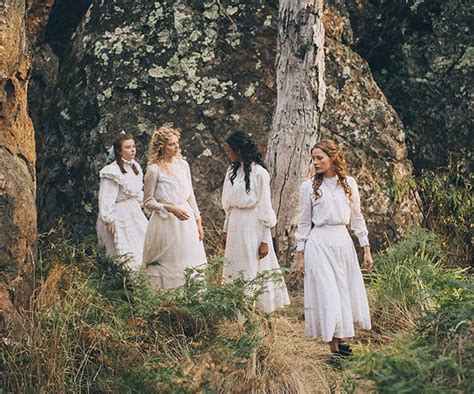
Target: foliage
436, 358
94, 326
447, 204
409, 279
427, 310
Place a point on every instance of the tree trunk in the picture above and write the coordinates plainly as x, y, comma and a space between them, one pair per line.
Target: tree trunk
301, 95
326, 90
17, 164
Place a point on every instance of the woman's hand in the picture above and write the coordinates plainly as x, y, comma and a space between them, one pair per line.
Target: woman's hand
110, 227
299, 263
180, 213
368, 262
200, 230
262, 250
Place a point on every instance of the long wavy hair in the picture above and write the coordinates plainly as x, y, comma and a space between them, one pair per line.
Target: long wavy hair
337, 158
159, 139
117, 145
240, 142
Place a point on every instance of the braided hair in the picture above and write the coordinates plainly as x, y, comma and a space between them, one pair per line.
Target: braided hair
240, 142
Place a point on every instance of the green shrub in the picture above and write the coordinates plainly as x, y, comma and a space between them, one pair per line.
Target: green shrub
437, 358
446, 202
94, 326
425, 310
409, 279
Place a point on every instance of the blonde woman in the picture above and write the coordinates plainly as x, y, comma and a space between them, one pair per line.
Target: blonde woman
334, 294
173, 240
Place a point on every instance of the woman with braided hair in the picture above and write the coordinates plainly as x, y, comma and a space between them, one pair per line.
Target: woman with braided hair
334, 294
249, 218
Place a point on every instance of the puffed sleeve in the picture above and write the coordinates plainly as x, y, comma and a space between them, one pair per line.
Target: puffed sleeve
225, 205
265, 212
192, 198
305, 218
357, 220
151, 179
108, 192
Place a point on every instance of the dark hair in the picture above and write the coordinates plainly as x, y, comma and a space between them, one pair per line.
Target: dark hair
118, 147
240, 142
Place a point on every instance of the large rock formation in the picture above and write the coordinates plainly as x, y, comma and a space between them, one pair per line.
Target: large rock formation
334, 97
207, 68
17, 157
422, 56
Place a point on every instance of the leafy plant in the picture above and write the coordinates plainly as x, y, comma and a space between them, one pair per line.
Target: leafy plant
94, 326
409, 279
446, 201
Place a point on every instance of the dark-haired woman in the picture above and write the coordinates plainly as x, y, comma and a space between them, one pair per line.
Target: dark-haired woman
121, 224
249, 218
334, 294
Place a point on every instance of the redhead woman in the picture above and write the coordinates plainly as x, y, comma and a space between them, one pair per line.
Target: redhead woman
334, 294
121, 223
249, 218
174, 235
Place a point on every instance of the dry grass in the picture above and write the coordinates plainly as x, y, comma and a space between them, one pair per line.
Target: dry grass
287, 361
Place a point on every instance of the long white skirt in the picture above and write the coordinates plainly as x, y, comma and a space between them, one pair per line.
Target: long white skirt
171, 246
334, 294
130, 227
241, 253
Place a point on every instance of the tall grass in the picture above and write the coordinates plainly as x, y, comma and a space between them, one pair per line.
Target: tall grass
446, 200
425, 311
409, 279
95, 327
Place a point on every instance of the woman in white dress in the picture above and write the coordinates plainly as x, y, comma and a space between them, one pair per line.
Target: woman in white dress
174, 235
334, 294
121, 223
249, 218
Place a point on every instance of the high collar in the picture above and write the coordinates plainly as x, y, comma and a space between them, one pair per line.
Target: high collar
129, 162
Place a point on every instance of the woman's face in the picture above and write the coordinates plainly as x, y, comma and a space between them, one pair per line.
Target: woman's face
128, 150
230, 153
321, 161
171, 148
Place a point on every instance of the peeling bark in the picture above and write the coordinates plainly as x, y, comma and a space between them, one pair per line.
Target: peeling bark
301, 96
325, 90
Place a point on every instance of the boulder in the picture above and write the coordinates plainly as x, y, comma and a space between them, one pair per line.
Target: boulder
421, 55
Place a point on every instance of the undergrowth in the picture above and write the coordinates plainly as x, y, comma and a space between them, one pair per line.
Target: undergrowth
423, 312
94, 326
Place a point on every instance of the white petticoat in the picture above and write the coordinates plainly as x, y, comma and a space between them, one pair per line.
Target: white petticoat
243, 240
171, 246
130, 226
334, 294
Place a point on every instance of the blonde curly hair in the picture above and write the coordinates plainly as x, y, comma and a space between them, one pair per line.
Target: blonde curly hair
159, 139
335, 154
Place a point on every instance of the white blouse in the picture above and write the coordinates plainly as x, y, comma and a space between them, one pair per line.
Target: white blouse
117, 187
162, 188
332, 208
234, 196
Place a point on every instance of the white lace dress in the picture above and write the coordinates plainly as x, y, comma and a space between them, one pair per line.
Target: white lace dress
120, 199
334, 294
249, 218
171, 245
